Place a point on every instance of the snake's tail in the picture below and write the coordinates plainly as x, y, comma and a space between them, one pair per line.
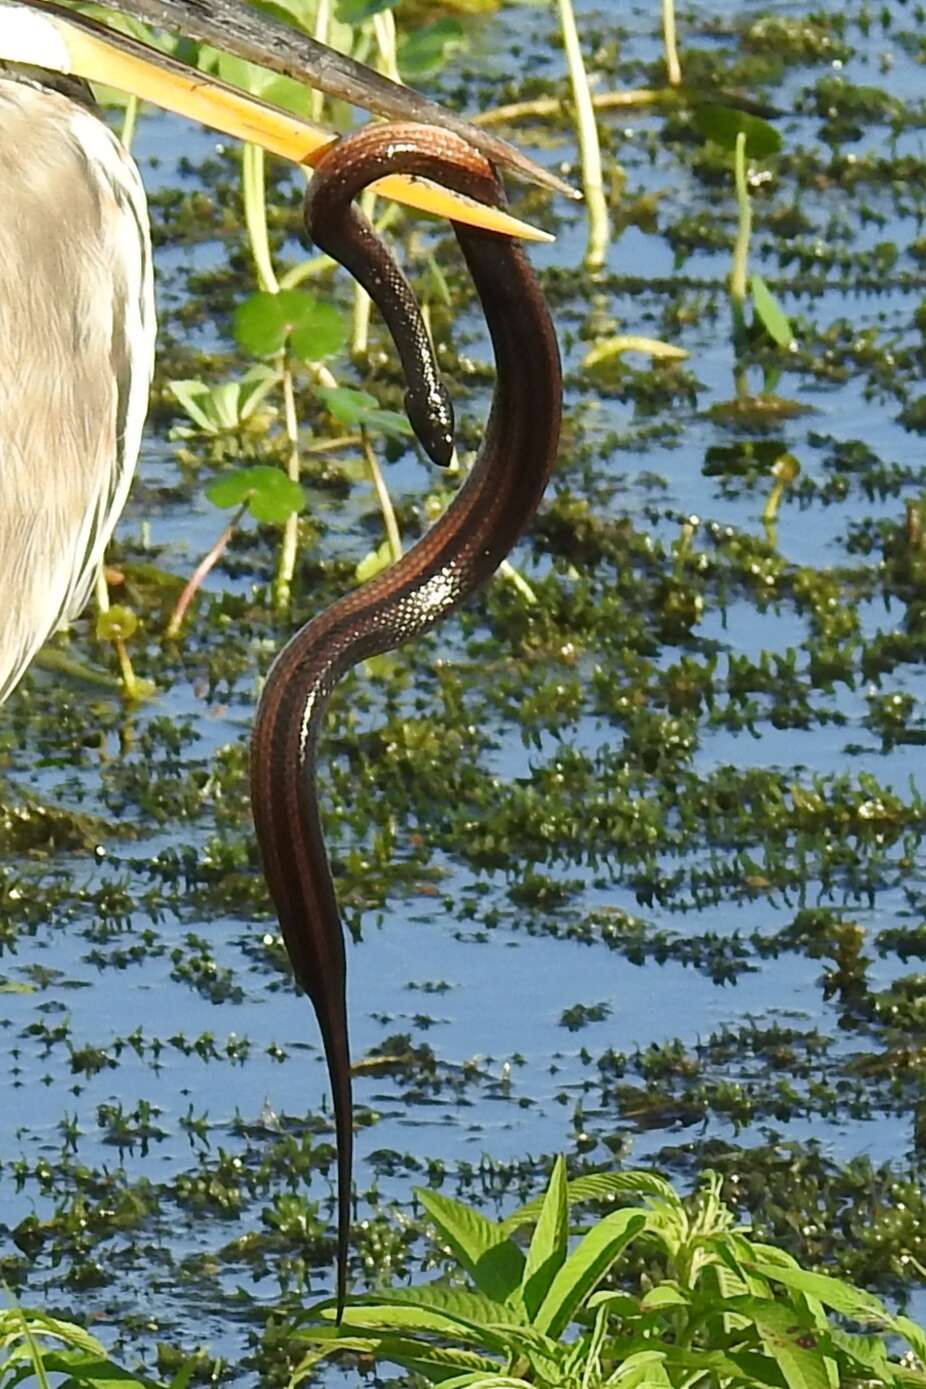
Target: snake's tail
332, 1020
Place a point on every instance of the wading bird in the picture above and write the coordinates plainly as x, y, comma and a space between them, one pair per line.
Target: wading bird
76, 353
76, 302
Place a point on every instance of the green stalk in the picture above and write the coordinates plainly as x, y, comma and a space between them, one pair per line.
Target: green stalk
322, 24
130, 685
744, 225
360, 316
129, 122
673, 67
385, 501
286, 567
255, 217
599, 230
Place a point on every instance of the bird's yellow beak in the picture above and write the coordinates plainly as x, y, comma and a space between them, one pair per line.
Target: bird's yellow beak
100, 54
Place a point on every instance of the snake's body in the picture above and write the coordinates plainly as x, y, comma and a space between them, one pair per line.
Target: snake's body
430, 582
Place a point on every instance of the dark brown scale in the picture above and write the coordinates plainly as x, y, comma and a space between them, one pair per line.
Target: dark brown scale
455, 556
360, 251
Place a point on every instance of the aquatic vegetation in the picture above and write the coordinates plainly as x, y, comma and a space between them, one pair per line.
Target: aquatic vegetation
711, 1301
674, 794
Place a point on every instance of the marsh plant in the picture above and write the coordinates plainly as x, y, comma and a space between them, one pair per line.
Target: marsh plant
661, 1291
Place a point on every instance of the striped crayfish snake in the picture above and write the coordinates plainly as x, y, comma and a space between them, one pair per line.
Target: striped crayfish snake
430, 582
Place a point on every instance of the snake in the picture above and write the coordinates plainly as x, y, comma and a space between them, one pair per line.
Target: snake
429, 582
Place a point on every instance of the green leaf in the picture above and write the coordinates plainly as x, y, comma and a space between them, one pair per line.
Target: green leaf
832, 1292
418, 1356
91, 1370
195, 396
355, 408
913, 1333
772, 316
546, 1356
265, 323
667, 1294
270, 495
481, 1381
426, 50
463, 1305
867, 1352
722, 124
481, 1246
600, 1186
585, 1267
382, 1316
789, 1338
269, 86
645, 1367
548, 1245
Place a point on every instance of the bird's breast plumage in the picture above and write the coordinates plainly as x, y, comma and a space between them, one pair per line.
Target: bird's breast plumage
76, 355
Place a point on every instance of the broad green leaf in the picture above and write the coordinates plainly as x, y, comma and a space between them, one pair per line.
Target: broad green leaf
12, 986
646, 1367
427, 49
265, 323
870, 1352
546, 1356
227, 405
722, 124
548, 1245
586, 1266
224, 402
789, 1338
354, 408
833, 1292
772, 316
600, 1186
418, 1356
269, 86
40, 1323
481, 1381
480, 1245
270, 495
194, 397
91, 1370
471, 1308
386, 1317
667, 1294
621, 1304
913, 1333
750, 1366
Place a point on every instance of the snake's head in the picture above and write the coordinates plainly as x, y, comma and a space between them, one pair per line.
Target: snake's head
430, 414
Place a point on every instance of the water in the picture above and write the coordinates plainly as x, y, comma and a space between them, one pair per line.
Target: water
490, 905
